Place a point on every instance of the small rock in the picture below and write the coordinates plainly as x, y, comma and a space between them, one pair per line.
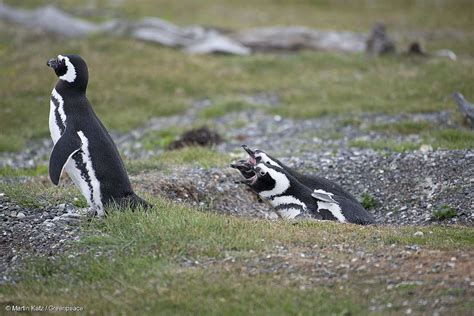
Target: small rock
426, 148
418, 234
20, 215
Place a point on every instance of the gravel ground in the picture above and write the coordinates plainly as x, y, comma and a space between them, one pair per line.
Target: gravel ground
407, 187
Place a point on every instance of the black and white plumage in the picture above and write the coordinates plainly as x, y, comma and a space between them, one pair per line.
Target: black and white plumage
291, 199
313, 182
82, 146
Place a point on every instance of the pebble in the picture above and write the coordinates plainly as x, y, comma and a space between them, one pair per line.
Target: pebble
20, 215
418, 234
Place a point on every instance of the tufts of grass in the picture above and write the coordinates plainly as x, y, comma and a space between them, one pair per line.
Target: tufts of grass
447, 138
139, 262
384, 145
39, 170
199, 156
173, 258
451, 139
194, 155
160, 139
403, 127
221, 109
368, 201
37, 194
444, 212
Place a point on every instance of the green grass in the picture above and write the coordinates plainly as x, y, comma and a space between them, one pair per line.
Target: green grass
132, 81
444, 212
25, 172
368, 201
134, 262
384, 145
160, 139
191, 156
403, 127
42, 193
223, 108
451, 139
199, 156
447, 138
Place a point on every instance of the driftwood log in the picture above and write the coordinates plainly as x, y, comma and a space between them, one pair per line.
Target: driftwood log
466, 108
193, 39
379, 43
298, 37
202, 40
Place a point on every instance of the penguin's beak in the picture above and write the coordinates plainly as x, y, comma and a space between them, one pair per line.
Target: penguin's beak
247, 171
53, 63
249, 151
243, 166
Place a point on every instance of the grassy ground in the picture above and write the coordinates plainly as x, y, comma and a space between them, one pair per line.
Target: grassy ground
132, 81
178, 260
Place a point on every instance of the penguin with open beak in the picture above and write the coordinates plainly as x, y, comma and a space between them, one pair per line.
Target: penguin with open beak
291, 199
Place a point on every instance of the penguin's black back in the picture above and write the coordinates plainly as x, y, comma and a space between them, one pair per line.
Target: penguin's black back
106, 161
315, 182
352, 210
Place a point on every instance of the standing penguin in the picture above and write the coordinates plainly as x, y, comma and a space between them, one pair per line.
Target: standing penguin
82, 146
291, 199
311, 181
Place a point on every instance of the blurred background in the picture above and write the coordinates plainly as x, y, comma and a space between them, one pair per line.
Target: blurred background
133, 80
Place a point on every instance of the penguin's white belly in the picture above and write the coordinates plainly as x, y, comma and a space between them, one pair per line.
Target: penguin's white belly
53, 126
81, 171
75, 174
57, 116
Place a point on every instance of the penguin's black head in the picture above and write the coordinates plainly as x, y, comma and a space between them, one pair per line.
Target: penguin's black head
257, 156
71, 70
262, 177
265, 179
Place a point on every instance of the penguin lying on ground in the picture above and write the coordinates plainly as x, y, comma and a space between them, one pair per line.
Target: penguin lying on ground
82, 146
292, 200
311, 181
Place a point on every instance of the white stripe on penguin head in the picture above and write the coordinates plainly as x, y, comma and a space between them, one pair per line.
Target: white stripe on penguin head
267, 159
282, 183
70, 74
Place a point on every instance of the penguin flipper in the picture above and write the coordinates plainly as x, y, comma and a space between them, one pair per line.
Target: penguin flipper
323, 196
63, 150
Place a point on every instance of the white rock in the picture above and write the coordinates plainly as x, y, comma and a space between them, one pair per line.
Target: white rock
20, 215
418, 234
426, 148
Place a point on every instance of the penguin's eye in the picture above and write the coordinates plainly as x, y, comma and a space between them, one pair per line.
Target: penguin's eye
262, 173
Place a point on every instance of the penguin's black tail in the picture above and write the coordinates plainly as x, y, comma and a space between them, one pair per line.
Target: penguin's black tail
133, 202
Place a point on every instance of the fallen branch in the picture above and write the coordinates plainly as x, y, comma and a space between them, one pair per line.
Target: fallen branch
466, 108
298, 37
193, 39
